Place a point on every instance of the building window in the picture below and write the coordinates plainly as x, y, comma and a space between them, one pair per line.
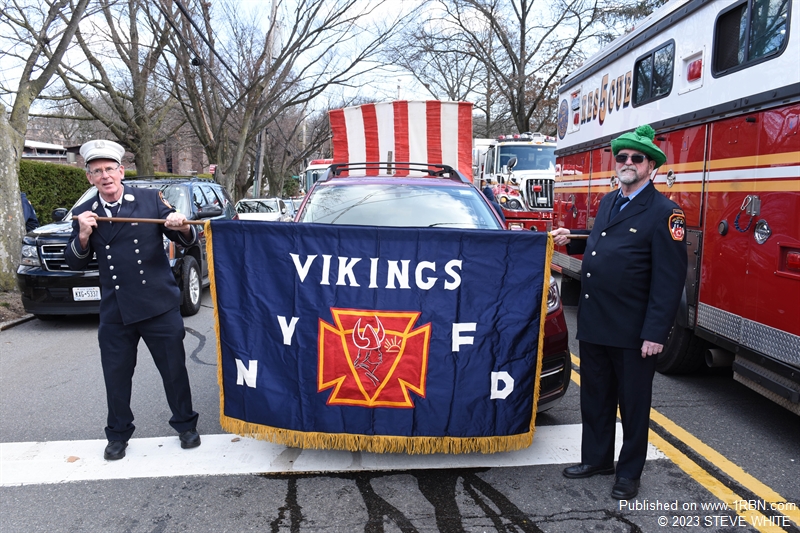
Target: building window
748, 33
653, 74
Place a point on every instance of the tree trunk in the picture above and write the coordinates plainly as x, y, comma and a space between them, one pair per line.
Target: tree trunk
12, 226
144, 154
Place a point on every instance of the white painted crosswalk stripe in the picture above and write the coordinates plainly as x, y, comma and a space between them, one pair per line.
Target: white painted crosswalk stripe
26, 463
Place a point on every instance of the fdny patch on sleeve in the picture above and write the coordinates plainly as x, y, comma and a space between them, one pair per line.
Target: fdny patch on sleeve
166, 203
677, 225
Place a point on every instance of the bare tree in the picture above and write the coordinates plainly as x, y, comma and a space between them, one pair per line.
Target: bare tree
620, 17
65, 121
433, 52
113, 80
308, 47
529, 44
41, 35
291, 141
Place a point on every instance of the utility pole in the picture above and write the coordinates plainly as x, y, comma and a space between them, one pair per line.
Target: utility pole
261, 139
260, 142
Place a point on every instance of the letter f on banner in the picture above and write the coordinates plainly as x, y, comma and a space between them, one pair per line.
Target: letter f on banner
459, 328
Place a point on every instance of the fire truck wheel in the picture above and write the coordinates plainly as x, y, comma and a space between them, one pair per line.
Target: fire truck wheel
684, 352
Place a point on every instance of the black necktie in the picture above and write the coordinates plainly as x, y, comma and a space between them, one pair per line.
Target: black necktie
114, 208
619, 201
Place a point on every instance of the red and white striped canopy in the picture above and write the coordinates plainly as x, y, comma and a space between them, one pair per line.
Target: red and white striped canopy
418, 132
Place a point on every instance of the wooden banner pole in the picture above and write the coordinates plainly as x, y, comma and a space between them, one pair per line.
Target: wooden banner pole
145, 220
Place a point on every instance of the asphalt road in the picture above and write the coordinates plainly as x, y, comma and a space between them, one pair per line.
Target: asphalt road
717, 442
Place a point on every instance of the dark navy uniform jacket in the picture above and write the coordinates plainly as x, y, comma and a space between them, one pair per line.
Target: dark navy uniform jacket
633, 271
136, 282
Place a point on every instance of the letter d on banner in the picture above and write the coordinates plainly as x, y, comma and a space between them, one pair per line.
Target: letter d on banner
508, 385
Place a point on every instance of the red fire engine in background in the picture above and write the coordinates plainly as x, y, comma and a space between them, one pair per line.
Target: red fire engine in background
725, 104
521, 170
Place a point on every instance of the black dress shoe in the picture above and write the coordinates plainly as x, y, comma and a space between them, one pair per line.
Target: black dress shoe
190, 439
625, 489
115, 450
583, 470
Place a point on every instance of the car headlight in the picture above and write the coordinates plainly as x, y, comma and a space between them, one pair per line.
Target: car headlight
30, 255
514, 204
553, 296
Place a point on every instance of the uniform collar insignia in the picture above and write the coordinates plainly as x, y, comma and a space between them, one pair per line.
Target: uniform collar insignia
94, 206
129, 198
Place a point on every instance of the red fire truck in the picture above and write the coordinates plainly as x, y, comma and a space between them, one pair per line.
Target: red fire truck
521, 171
720, 83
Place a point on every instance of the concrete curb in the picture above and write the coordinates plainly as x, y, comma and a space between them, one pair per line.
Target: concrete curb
15, 322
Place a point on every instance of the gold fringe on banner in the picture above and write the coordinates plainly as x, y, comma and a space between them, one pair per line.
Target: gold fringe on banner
213, 286
378, 443
537, 387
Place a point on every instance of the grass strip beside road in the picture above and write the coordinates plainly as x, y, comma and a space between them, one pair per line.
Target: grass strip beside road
706, 479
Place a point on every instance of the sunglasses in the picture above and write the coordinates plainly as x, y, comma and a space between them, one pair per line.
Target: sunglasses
636, 158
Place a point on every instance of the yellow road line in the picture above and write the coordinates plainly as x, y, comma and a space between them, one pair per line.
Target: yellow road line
712, 485
730, 469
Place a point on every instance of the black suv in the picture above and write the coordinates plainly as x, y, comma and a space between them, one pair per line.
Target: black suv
49, 288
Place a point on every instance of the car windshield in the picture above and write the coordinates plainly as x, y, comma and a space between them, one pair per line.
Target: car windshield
257, 206
529, 156
399, 205
177, 195
90, 192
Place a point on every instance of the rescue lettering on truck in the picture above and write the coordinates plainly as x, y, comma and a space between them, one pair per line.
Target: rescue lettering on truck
725, 104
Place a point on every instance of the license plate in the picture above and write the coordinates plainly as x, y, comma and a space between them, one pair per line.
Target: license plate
82, 294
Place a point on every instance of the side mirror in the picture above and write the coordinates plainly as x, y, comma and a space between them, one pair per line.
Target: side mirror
512, 162
209, 211
59, 214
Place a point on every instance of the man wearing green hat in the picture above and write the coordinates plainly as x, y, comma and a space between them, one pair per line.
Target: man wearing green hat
632, 279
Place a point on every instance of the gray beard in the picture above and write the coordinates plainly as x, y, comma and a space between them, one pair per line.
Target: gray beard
629, 179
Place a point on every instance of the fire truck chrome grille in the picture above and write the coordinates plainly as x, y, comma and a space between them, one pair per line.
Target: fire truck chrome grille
543, 199
773, 342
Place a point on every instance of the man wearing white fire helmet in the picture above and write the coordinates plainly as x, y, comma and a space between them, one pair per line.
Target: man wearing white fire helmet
140, 298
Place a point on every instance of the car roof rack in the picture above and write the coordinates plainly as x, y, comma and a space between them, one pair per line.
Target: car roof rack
388, 168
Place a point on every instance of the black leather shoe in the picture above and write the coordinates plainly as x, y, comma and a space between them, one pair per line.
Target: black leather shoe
625, 489
115, 450
583, 470
190, 439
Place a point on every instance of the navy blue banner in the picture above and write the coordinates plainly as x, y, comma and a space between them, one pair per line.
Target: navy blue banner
383, 339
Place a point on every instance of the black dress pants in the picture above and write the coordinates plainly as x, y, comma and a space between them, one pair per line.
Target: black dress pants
163, 336
612, 376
